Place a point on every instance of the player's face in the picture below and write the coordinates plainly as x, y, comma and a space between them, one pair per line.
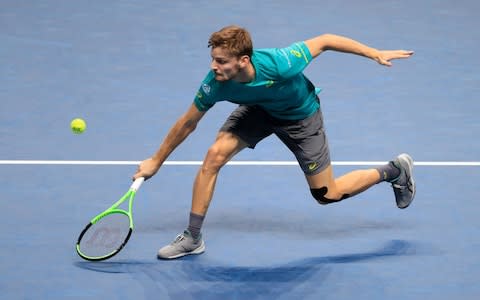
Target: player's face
224, 65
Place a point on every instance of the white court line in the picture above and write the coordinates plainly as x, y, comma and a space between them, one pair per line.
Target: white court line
233, 163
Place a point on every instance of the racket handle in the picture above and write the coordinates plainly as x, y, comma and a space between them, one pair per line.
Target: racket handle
137, 183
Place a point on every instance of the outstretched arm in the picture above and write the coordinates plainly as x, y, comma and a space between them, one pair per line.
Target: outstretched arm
325, 42
185, 125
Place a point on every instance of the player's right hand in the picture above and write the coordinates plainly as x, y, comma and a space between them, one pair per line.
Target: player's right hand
147, 169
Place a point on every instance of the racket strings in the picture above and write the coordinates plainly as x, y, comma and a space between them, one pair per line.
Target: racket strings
106, 236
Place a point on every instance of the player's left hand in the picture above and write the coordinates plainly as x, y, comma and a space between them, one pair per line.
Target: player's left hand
385, 56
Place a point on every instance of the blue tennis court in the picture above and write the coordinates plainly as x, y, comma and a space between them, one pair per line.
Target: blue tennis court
130, 68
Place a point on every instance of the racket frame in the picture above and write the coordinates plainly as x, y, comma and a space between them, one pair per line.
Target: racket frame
130, 195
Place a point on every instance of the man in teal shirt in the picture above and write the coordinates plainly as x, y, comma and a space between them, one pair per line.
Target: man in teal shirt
274, 97
279, 86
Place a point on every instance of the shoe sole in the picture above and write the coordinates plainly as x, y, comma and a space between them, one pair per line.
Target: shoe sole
406, 162
198, 250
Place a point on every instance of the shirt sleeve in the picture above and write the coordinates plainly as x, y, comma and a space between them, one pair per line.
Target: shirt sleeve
292, 60
204, 98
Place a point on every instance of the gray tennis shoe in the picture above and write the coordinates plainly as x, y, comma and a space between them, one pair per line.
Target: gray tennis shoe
184, 244
404, 185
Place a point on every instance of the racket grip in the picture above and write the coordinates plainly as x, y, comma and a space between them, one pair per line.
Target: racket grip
137, 183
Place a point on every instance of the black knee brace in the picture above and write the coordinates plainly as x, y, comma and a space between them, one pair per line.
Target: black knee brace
319, 195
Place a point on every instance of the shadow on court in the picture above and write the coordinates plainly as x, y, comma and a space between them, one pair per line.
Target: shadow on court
188, 278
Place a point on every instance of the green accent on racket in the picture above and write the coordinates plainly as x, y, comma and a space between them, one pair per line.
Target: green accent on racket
108, 232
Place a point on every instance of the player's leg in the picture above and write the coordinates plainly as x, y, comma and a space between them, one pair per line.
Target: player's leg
399, 172
244, 128
326, 189
225, 147
307, 140
190, 241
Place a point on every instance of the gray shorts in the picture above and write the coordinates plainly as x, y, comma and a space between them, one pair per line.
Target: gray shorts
305, 138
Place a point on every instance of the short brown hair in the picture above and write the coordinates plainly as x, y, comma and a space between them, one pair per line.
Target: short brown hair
235, 39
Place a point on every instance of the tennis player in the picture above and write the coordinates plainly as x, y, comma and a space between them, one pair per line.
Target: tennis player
273, 97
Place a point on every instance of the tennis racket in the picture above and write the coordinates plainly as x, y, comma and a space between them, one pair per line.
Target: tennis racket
108, 232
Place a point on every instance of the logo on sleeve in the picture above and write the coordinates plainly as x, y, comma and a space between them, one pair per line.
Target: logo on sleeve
296, 53
206, 88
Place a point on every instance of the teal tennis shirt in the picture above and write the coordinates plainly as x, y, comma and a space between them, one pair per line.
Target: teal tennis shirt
279, 87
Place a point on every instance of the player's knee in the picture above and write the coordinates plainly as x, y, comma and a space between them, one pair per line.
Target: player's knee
215, 159
320, 195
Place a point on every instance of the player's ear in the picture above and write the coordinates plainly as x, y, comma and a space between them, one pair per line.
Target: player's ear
244, 60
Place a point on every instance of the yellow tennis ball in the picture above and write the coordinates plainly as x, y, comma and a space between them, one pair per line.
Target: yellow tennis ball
78, 125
